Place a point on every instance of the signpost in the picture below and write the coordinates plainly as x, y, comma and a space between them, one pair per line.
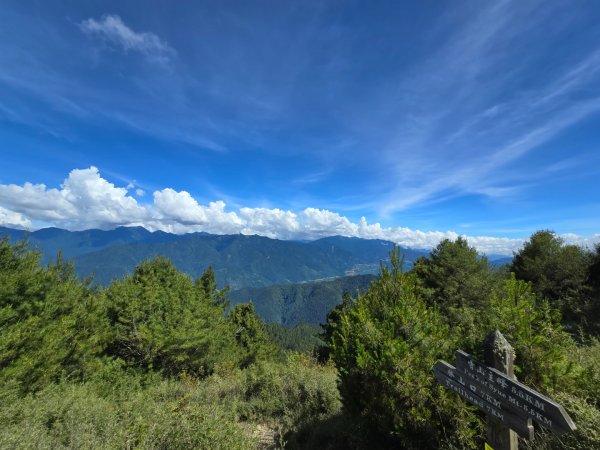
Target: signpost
452, 379
509, 406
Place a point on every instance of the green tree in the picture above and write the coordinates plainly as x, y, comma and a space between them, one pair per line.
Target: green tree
51, 324
163, 321
250, 334
534, 329
591, 311
207, 284
455, 275
557, 272
458, 281
385, 343
550, 361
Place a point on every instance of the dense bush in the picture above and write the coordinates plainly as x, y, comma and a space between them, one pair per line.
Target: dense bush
121, 408
150, 362
534, 330
296, 392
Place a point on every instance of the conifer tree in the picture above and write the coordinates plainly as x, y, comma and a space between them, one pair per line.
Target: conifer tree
51, 324
162, 321
250, 333
558, 273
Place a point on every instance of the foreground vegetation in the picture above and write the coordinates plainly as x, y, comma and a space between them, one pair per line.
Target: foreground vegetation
159, 360
385, 342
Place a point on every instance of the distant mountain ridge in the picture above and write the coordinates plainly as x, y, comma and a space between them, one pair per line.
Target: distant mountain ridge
238, 260
362, 250
74, 243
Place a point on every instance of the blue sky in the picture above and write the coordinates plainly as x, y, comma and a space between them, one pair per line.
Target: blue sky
411, 121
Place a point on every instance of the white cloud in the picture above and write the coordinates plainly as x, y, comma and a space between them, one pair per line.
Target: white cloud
574, 239
112, 29
86, 200
176, 210
99, 200
274, 223
319, 222
36, 201
140, 192
13, 219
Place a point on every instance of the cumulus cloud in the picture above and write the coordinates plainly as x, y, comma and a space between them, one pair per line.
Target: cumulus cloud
273, 223
319, 222
86, 200
178, 210
112, 29
36, 202
13, 219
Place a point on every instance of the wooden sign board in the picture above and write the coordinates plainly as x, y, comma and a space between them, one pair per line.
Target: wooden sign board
514, 396
509, 406
453, 379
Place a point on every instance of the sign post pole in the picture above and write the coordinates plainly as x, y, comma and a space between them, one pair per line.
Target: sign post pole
500, 355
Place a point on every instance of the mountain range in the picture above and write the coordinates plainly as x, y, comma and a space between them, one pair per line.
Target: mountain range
238, 260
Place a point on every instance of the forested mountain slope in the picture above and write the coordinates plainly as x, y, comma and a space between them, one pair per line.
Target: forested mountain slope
237, 260
297, 303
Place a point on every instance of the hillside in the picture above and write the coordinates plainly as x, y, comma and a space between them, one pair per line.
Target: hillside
293, 304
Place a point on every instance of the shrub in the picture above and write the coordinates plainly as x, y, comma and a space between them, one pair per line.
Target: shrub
291, 393
167, 414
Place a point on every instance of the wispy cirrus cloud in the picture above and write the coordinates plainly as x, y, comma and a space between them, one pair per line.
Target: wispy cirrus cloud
112, 29
87, 200
469, 113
